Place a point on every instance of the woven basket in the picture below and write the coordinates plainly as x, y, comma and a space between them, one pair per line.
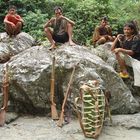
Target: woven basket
90, 108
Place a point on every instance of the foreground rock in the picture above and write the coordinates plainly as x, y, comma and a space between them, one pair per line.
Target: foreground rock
12, 46
30, 73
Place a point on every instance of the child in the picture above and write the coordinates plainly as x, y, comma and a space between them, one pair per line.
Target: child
13, 22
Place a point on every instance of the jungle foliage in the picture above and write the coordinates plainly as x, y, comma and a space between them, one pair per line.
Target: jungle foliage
86, 14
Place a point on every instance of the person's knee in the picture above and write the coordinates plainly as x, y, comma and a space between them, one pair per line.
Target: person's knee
8, 26
19, 24
9, 29
69, 25
117, 55
120, 56
101, 41
47, 29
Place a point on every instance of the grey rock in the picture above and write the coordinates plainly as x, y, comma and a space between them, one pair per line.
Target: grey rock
127, 121
14, 45
30, 73
11, 116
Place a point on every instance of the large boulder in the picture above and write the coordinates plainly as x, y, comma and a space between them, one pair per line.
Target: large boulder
104, 52
30, 74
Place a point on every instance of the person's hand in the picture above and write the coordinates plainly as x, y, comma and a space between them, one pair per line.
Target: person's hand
120, 37
13, 25
117, 50
20, 20
106, 37
110, 37
14, 17
61, 16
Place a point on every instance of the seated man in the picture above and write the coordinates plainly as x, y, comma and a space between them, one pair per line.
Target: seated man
102, 33
126, 48
13, 22
62, 29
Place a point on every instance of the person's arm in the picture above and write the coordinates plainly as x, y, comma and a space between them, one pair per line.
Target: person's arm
68, 20
18, 18
96, 34
49, 23
117, 42
114, 44
7, 21
109, 30
129, 52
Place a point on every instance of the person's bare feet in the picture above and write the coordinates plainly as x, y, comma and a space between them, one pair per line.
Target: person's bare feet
53, 46
71, 43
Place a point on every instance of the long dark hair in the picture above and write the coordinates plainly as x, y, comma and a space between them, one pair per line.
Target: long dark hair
132, 26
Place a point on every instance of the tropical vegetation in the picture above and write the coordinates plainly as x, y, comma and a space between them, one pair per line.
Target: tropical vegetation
86, 14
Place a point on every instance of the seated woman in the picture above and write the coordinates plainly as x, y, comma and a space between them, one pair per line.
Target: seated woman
102, 33
126, 48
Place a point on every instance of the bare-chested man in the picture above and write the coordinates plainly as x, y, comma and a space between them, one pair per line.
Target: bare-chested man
62, 29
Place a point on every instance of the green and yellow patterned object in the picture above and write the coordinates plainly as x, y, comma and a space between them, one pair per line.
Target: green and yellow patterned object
91, 108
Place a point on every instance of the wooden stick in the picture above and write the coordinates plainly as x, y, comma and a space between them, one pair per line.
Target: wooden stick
107, 96
54, 113
108, 109
5, 89
61, 119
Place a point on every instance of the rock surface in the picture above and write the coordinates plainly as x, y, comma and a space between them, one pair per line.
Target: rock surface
15, 45
30, 73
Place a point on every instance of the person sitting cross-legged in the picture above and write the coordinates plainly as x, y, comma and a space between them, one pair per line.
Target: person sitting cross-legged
13, 22
62, 29
127, 48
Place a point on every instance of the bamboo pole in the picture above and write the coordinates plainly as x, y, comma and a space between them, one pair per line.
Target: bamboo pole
54, 113
61, 118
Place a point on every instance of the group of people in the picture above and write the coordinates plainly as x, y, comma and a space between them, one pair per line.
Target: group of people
62, 26
124, 45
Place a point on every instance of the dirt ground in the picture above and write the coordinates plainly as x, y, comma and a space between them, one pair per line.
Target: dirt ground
43, 128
